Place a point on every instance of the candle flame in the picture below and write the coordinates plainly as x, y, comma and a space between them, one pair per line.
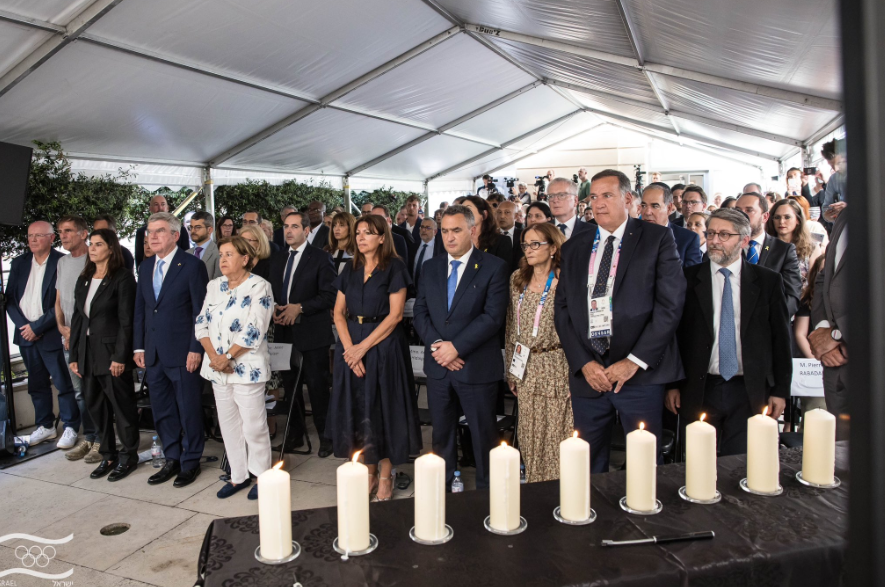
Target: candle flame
642, 425
703, 417
765, 411
575, 434
503, 443
278, 466
356, 455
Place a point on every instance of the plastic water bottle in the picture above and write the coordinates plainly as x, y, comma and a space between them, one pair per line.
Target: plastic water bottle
20, 446
157, 457
457, 485
522, 475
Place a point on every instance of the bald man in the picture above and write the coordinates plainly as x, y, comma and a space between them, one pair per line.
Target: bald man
157, 204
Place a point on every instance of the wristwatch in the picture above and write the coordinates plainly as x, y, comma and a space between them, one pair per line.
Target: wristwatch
229, 356
836, 335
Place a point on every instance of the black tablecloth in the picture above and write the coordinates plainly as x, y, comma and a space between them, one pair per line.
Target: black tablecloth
797, 539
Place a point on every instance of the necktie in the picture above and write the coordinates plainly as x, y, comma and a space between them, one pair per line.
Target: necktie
288, 276
753, 253
600, 345
198, 252
420, 261
562, 227
158, 278
728, 360
452, 283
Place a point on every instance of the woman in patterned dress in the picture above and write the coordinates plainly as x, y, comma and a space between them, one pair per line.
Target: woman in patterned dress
232, 327
545, 408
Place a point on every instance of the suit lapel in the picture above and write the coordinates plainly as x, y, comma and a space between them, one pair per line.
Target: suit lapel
48, 275
749, 296
837, 234
704, 290
302, 263
632, 234
765, 248
171, 273
474, 264
102, 289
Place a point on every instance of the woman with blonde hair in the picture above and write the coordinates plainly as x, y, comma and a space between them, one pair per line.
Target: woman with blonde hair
257, 239
342, 241
786, 221
545, 408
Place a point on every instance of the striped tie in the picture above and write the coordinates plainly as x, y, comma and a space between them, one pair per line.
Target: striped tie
753, 253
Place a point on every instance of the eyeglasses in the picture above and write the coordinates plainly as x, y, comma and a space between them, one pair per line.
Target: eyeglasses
722, 236
34, 237
535, 245
159, 231
558, 197
692, 202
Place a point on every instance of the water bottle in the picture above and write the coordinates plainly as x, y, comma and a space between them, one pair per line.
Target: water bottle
457, 485
522, 475
157, 457
20, 446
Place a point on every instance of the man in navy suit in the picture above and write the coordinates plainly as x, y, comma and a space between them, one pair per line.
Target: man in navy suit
157, 204
31, 307
562, 195
461, 306
657, 203
412, 223
622, 356
171, 289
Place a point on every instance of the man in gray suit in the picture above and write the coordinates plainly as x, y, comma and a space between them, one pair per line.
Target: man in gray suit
829, 315
205, 249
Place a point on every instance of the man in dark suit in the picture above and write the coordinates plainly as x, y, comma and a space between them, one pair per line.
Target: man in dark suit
171, 288
769, 251
31, 306
562, 195
157, 204
461, 306
619, 358
403, 244
657, 203
694, 199
301, 278
506, 215
412, 222
829, 314
734, 337
677, 215
319, 232
279, 238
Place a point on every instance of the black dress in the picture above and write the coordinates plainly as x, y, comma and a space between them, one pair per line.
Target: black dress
376, 413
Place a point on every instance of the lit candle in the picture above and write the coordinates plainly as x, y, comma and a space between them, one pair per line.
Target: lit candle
574, 479
642, 462
430, 493
353, 506
504, 488
275, 513
763, 458
819, 447
700, 460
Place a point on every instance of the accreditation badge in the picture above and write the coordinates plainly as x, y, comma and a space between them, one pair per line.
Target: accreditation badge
520, 358
600, 317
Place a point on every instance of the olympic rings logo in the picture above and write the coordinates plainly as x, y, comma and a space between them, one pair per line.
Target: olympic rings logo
35, 555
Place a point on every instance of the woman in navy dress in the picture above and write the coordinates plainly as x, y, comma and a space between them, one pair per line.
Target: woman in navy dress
373, 408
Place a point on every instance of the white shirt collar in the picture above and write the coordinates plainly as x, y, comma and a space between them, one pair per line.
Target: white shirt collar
570, 223
463, 259
618, 233
168, 258
735, 267
300, 249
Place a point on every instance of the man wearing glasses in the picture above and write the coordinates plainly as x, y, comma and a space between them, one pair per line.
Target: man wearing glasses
562, 195
734, 337
31, 306
205, 249
694, 199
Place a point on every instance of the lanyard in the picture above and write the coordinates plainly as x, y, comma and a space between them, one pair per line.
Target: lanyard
543, 301
613, 270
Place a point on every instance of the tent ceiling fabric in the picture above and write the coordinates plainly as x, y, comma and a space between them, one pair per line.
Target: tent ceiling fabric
106, 102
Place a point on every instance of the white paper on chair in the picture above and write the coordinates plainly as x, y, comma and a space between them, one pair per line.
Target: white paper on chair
280, 355
808, 378
417, 355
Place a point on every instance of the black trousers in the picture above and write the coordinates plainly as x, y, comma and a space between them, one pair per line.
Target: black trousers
317, 377
727, 406
111, 400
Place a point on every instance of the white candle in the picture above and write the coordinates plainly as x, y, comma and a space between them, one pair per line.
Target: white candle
642, 462
763, 458
353, 506
700, 460
275, 513
430, 497
504, 487
574, 479
819, 447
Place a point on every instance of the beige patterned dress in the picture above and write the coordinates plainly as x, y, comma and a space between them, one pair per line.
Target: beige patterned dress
545, 407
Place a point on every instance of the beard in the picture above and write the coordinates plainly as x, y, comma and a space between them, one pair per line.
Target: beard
722, 257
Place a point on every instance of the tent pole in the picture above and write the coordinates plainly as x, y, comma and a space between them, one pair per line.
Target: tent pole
347, 203
208, 191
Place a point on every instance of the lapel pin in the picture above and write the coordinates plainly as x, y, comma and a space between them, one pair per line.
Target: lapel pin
179, 264
766, 248
476, 266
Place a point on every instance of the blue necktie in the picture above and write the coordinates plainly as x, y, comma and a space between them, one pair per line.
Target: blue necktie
288, 276
728, 359
753, 253
452, 283
158, 278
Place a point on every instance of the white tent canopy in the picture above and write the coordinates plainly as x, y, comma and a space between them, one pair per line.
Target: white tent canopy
410, 90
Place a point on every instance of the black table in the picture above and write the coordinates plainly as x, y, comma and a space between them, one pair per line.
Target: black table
797, 538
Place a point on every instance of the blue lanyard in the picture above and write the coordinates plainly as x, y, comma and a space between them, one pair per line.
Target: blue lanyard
543, 301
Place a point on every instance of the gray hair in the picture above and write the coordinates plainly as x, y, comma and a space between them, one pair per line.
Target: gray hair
431, 221
287, 207
464, 211
738, 219
584, 169
170, 219
206, 216
668, 195
752, 187
572, 186
522, 184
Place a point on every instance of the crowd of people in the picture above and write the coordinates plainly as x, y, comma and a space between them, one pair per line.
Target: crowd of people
608, 303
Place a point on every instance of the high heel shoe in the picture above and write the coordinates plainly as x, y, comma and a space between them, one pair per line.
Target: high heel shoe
374, 483
388, 480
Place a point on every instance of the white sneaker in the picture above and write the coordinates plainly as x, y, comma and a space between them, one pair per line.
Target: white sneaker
40, 434
68, 439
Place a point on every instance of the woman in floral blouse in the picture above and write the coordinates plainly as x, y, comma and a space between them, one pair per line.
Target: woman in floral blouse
232, 328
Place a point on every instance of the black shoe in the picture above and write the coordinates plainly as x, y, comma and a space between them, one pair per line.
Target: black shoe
325, 449
185, 478
121, 471
102, 469
171, 469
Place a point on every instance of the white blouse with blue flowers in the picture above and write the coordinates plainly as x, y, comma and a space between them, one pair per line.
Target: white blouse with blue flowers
238, 316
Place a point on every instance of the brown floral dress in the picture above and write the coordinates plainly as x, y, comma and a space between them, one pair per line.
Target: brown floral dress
545, 407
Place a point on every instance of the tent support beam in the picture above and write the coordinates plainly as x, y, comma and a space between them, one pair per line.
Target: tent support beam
78, 25
335, 95
825, 130
443, 129
714, 80
504, 145
31, 22
541, 150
